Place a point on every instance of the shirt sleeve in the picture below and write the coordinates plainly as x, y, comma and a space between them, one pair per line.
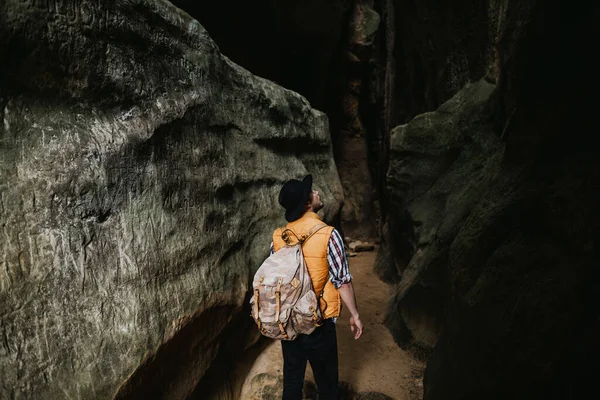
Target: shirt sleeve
339, 272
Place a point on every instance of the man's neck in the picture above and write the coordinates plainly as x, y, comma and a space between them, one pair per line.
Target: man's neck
311, 214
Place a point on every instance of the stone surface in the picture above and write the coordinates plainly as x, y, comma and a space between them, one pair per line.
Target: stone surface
139, 172
521, 275
433, 49
491, 222
430, 53
350, 132
440, 163
359, 246
427, 51
322, 50
365, 247
353, 244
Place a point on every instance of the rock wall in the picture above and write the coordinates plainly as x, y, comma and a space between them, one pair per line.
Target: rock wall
324, 51
356, 139
440, 163
139, 172
491, 226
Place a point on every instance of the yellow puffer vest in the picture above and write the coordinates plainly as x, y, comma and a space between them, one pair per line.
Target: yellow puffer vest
315, 254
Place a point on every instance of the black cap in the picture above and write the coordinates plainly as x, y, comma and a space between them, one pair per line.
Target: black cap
293, 196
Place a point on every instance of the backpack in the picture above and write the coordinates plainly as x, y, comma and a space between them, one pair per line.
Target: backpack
284, 302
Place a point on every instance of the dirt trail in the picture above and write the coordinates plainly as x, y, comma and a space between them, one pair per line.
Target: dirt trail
374, 363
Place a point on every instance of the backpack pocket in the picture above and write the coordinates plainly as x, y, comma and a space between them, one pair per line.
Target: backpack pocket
306, 315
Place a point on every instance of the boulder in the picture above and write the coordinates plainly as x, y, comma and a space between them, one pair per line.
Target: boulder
139, 177
359, 246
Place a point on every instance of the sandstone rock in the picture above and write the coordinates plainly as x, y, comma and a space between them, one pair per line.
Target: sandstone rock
519, 277
364, 25
359, 246
138, 191
352, 156
441, 162
365, 247
352, 245
504, 293
322, 50
434, 49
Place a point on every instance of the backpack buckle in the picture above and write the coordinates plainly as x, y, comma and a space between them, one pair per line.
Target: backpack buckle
282, 330
315, 317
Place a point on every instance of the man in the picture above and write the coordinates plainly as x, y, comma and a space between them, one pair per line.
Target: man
328, 269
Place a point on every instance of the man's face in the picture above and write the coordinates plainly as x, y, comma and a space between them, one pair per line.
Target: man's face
315, 201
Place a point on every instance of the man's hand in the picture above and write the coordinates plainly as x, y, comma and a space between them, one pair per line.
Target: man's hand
347, 294
356, 326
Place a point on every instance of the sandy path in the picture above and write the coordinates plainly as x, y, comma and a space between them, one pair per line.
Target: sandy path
374, 363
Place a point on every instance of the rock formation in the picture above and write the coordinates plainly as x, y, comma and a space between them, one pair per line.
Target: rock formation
491, 226
440, 163
139, 172
324, 50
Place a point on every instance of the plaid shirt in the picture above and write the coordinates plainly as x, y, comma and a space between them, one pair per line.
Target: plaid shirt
337, 260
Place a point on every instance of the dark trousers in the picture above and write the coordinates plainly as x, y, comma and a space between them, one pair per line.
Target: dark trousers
320, 349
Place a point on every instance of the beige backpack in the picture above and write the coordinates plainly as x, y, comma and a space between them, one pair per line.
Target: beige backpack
284, 302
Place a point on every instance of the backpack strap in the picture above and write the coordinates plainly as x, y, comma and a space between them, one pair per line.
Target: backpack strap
314, 230
302, 238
